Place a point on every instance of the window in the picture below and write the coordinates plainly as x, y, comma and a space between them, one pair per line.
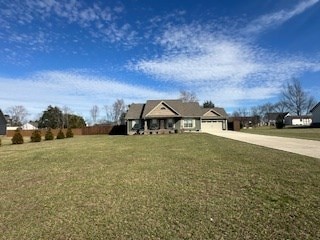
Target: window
136, 124
170, 123
154, 124
188, 123
163, 108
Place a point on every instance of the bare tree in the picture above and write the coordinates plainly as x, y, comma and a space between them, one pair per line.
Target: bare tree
94, 112
236, 114
119, 108
243, 112
267, 107
263, 111
254, 111
66, 111
109, 113
186, 96
280, 106
18, 115
295, 98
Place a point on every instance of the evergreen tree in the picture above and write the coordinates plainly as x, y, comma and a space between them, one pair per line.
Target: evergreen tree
17, 137
208, 104
52, 118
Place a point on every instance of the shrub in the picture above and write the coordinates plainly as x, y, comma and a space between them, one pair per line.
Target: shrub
0, 142
17, 137
279, 122
60, 134
49, 135
69, 133
36, 136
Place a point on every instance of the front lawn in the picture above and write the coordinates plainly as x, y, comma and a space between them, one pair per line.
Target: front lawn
179, 186
291, 132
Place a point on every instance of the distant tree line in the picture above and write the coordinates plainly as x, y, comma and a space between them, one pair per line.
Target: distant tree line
293, 99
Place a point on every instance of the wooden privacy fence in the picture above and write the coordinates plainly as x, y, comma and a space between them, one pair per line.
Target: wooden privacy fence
94, 130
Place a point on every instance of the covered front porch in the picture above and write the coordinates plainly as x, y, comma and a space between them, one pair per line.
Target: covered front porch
160, 125
155, 125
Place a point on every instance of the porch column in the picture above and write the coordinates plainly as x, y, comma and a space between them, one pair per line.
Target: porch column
145, 125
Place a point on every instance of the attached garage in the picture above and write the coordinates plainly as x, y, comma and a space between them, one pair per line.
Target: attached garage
212, 125
213, 120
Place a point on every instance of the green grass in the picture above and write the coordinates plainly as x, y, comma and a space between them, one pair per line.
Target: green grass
186, 186
291, 132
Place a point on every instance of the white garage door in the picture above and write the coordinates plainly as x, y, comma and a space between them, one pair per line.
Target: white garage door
209, 126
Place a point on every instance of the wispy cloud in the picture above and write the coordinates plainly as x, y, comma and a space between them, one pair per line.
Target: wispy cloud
78, 90
223, 66
277, 18
22, 23
219, 61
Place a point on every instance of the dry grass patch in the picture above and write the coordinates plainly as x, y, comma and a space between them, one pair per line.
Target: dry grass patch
187, 186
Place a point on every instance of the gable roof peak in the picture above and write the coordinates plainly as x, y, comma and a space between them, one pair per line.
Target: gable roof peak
151, 105
317, 105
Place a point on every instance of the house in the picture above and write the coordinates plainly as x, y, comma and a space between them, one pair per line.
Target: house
271, 118
29, 126
316, 115
3, 124
9, 120
168, 116
304, 120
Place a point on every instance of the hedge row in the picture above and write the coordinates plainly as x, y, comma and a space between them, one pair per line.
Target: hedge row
36, 136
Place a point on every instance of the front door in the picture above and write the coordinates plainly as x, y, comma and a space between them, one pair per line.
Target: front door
162, 124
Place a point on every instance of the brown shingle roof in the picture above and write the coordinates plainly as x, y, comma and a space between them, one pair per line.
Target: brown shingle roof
185, 109
135, 111
317, 105
218, 110
151, 104
182, 109
274, 115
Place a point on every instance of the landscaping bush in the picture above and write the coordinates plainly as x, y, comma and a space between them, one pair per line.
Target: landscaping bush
60, 134
36, 136
17, 137
69, 133
279, 122
49, 135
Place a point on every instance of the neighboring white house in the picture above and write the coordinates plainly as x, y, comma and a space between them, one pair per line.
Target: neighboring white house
12, 128
304, 120
316, 114
28, 126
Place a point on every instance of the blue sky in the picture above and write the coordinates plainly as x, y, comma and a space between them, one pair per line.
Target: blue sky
84, 53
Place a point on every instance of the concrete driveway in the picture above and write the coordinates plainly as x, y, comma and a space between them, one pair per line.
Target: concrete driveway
309, 148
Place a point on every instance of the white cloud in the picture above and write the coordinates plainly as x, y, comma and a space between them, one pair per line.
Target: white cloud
215, 60
75, 89
226, 68
277, 18
104, 23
